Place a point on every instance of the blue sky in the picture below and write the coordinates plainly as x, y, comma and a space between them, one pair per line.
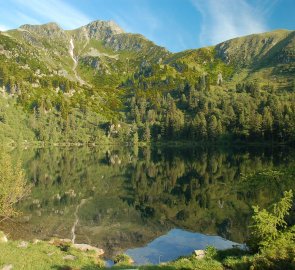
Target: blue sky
175, 24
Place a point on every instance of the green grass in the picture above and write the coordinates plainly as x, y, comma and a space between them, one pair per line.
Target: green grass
42, 256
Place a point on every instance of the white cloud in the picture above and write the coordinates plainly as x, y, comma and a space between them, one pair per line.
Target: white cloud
3, 27
226, 19
55, 11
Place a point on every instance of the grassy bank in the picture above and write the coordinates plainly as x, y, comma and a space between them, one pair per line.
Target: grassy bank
43, 255
271, 247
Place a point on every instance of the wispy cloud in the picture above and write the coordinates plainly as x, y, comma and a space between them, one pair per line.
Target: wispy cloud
142, 20
226, 19
28, 19
181, 42
123, 21
56, 11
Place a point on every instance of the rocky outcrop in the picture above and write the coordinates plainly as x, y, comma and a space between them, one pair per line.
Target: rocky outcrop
86, 247
50, 30
64, 244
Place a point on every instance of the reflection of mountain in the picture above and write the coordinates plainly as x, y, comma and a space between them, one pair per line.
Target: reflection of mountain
131, 199
203, 190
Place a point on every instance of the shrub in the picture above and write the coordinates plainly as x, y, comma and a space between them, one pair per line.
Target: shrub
210, 252
13, 186
272, 236
122, 259
269, 225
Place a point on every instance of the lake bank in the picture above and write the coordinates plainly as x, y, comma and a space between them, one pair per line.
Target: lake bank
63, 255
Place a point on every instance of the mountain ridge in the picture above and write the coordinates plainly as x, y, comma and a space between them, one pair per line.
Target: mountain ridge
116, 29
101, 69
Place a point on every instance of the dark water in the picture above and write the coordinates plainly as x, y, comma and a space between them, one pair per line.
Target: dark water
123, 199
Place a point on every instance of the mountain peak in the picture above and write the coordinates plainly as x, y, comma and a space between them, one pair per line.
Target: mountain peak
110, 26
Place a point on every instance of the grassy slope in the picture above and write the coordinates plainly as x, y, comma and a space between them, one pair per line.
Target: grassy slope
41, 256
45, 256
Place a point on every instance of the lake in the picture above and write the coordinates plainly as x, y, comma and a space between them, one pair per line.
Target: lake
155, 204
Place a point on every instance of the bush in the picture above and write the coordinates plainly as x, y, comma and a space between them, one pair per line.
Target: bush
272, 236
270, 225
238, 263
210, 252
123, 259
100, 263
13, 186
197, 264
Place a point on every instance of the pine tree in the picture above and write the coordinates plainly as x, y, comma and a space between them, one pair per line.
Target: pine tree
135, 138
213, 127
147, 133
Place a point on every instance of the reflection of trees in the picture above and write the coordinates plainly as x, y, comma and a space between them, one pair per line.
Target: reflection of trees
132, 198
61, 179
202, 190
13, 185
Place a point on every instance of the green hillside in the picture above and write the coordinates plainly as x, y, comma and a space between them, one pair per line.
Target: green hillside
99, 84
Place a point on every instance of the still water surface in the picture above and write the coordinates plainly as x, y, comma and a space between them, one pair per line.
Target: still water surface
155, 204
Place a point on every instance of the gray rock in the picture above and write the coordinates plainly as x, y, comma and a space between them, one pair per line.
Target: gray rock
199, 253
3, 237
85, 247
36, 241
23, 244
69, 257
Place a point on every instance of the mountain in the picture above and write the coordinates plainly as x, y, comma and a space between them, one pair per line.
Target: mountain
264, 56
83, 79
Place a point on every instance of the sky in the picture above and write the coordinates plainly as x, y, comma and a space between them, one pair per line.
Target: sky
175, 24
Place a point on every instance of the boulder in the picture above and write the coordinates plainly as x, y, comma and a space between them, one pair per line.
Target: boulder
85, 247
23, 244
199, 253
3, 237
69, 257
36, 241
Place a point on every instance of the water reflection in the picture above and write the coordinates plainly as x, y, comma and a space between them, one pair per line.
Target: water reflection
176, 243
131, 197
